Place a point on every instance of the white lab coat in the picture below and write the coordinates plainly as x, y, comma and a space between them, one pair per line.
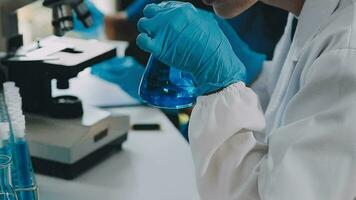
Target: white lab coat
299, 143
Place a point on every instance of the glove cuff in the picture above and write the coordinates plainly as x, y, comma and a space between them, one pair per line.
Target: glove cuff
223, 71
254, 66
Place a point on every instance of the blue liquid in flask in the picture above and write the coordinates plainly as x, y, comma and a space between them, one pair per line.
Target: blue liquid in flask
167, 87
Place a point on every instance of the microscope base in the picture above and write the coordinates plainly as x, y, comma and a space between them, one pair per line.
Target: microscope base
67, 147
71, 171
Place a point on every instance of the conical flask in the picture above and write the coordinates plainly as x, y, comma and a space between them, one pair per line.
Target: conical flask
166, 87
6, 190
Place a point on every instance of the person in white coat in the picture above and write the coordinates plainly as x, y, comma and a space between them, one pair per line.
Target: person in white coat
292, 134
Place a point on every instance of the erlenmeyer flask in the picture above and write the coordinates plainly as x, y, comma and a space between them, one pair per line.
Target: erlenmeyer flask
6, 190
166, 87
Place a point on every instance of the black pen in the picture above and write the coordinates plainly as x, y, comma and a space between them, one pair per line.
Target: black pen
146, 127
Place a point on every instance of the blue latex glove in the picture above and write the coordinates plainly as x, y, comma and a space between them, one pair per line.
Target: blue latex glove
125, 72
180, 35
251, 59
93, 31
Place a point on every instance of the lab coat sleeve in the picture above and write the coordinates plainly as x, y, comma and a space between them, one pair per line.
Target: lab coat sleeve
225, 152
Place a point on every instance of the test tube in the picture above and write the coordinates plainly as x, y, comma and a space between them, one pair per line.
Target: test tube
23, 174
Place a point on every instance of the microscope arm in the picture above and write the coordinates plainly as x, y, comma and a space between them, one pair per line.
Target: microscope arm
9, 6
8, 21
62, 21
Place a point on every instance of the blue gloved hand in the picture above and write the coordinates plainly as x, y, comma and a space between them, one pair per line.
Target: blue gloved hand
251, 59
92, 32
181, 36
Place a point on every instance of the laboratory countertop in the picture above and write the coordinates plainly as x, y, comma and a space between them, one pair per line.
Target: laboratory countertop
153, 165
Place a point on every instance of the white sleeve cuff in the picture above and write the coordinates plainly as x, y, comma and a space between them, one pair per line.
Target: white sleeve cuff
217, 117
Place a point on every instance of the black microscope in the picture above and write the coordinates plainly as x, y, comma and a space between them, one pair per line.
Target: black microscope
66, 136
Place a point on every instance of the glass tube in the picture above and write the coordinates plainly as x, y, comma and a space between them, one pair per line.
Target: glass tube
6, 190
26, 187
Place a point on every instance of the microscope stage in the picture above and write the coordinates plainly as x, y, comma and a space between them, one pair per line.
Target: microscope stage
66, 148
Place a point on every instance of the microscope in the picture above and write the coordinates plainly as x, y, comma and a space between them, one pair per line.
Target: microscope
66, 136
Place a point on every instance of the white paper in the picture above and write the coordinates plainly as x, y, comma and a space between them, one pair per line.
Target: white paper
95, 91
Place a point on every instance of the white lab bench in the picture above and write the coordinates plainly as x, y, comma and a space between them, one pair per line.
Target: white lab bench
154, 165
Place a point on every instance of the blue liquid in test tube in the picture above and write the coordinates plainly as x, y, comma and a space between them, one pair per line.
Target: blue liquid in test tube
25, 170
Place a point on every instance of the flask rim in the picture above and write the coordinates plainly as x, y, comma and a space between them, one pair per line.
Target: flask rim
5, 161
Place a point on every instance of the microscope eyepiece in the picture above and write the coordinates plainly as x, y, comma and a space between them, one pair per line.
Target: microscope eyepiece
63, 14
62, 19
83, 13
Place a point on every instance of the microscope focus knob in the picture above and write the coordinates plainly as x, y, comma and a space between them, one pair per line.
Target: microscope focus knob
66, 107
